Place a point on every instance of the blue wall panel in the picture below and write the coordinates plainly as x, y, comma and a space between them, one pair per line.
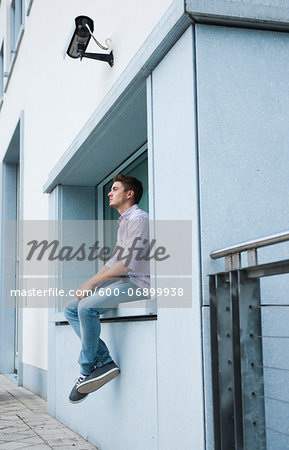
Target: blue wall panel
243, 100
243, 105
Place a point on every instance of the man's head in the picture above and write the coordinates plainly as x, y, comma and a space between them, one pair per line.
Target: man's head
125, 192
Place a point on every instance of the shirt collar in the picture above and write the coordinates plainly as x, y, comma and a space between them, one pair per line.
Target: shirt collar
126, 215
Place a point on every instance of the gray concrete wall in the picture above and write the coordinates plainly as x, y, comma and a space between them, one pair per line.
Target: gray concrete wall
243, 100
179, 353
122, 414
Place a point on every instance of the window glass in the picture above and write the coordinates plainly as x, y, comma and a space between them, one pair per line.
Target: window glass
138, 169
16, 20
136, 166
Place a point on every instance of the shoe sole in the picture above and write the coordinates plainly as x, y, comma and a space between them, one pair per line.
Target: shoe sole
93, 385
77, 401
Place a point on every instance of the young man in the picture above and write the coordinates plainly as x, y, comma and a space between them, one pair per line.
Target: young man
124, 273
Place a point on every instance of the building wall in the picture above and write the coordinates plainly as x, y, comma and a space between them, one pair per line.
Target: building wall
123, 414
61, 94
155, 356
174, 141
216, 107
58, 97
243, 103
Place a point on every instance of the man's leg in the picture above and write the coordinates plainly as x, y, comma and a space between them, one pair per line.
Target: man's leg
71, 315
84, 317
94, 352
94, 307
99, 353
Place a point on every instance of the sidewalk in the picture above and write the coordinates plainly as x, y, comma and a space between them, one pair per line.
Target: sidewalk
24, 422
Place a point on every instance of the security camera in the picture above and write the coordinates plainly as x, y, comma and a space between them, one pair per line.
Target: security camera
81, 36
84, 28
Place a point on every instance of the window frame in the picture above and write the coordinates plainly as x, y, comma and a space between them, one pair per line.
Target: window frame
150, 308
16, 25
16, 11
1, 73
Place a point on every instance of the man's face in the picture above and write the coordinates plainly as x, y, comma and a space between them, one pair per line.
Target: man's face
117, 195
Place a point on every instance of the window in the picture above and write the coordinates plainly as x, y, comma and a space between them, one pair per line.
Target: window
136, 166
16, 21
1, 73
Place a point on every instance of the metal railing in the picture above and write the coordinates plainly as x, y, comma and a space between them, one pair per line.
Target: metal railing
232, 254
236, 346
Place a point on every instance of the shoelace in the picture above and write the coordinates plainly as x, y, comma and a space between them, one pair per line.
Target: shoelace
79, 379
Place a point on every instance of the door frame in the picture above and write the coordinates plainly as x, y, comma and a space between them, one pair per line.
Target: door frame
12, 209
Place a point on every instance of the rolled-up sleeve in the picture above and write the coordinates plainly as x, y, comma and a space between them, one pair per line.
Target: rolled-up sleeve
113, 260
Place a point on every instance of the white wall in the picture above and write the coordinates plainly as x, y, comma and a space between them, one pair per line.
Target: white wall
58, 96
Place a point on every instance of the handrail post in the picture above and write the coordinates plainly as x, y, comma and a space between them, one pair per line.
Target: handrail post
251, 363
228, 263
236, 261
252, 257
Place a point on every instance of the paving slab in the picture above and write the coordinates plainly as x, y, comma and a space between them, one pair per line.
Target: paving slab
24, 422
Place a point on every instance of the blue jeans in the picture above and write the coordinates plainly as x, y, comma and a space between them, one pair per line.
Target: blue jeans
84, 317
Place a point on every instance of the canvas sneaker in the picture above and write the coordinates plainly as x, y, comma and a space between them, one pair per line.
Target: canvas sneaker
75, 396
98, 377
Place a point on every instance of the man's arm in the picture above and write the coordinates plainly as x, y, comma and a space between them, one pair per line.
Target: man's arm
101, 276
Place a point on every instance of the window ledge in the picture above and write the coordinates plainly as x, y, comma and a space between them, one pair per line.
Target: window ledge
59, 319
117, 319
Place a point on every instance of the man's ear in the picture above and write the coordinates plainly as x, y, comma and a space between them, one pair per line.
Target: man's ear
130, 194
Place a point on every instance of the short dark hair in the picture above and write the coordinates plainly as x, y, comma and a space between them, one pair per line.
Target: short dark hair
130, 183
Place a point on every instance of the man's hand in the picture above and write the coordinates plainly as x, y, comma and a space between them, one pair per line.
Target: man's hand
83, 290
92, 283
102, 276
